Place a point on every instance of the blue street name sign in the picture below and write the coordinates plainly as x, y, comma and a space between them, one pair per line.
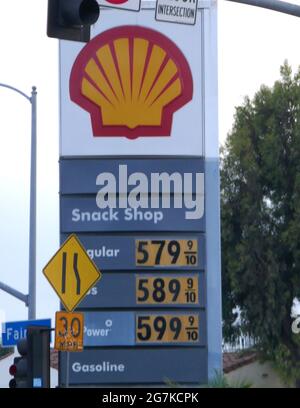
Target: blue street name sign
12, 332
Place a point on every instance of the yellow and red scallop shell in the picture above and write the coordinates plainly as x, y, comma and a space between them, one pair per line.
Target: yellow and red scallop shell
131, 80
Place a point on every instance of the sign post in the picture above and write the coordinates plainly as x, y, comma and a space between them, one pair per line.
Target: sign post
71, 273
30, 299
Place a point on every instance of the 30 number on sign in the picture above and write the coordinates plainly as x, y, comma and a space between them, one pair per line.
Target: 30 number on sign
68, 331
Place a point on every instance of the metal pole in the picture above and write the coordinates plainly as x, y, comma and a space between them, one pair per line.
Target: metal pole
32, 215
68, 369
29, 300
275, 5
14, 292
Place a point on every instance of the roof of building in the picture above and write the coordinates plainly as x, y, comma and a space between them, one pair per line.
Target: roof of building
232, 361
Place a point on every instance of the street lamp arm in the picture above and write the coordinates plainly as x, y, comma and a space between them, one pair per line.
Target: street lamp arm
276, 5
14, 292
30, 299
17, 90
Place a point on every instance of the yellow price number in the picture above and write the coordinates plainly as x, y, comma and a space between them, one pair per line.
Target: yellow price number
167, 328
180, 290
166, 252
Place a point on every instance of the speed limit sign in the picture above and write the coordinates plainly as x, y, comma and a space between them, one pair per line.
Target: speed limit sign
68, 331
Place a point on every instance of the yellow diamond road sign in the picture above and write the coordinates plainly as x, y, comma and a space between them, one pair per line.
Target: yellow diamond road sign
71, 273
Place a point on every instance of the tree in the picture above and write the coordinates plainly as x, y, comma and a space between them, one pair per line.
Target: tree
260, 181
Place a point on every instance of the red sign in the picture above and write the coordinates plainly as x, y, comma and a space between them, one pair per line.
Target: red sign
117, 1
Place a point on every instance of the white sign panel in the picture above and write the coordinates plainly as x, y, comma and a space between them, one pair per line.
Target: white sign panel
176, 11
133, 5
134, 89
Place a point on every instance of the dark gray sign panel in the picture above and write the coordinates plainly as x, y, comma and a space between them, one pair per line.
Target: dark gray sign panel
164, 328
136, 366
109, 329
151, 299
81, 214
123, 290
118, 252
79, 176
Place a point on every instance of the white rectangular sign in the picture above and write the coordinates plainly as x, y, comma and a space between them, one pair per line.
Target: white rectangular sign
133, 5
176, 11
135, 89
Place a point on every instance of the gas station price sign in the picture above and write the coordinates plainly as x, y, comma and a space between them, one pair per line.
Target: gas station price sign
141, 196
167, 290
167, 328
166, 252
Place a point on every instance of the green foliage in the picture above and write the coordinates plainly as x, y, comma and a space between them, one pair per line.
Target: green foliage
281, 358
220, 381
170, 383
260, 180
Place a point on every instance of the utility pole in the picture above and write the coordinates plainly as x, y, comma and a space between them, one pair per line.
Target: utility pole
275, 5
30, 299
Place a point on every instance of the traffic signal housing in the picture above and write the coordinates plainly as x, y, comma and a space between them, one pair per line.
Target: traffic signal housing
39, 356
19, 369
32, 368
71, 19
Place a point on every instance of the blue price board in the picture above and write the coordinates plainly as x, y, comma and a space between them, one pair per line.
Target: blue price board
84, 176
109, 329
81, 214
137, 366
147, 290
123, 252
144, 227
103, 328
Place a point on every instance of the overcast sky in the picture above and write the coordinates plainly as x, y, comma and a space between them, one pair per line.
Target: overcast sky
253, 43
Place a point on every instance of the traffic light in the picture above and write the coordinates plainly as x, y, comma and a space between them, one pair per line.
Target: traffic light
39, 357
19, 369
71, 19
32, 368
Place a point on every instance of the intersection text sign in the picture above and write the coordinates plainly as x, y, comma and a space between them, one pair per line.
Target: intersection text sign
176, 11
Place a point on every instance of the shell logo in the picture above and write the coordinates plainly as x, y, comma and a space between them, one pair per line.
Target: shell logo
131, 80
